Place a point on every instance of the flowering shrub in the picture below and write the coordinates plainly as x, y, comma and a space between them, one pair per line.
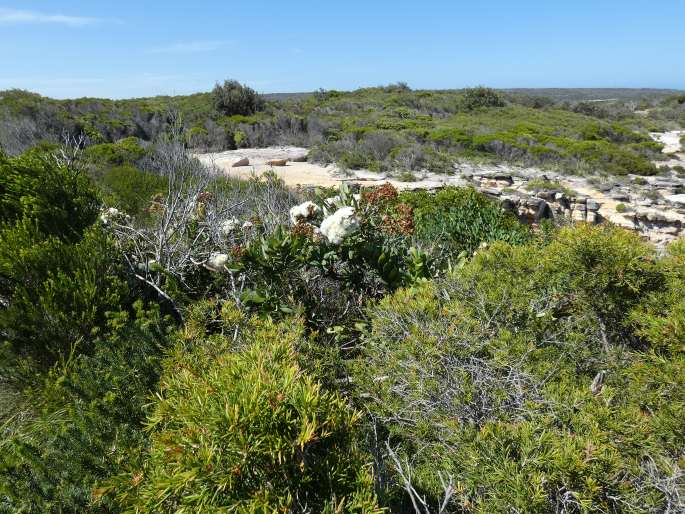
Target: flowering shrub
229, 226
304, 212
339, 225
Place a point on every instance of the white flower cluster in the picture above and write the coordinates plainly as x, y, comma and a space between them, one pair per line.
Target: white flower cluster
304, 212
110, 214
229, 226
339, 225
232, 224
217, 261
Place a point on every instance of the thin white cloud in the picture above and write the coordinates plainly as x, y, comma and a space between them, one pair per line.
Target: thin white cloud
19, 17
191, 47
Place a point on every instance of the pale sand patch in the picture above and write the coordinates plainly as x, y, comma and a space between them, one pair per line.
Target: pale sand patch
670, 140
310, 174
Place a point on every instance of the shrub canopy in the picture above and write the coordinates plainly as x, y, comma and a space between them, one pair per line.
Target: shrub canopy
245, 430
538, 378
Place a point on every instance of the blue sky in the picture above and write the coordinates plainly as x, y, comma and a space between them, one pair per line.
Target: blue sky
123, 48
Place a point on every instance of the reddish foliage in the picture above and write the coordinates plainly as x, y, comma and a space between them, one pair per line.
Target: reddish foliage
401, 221
382, 194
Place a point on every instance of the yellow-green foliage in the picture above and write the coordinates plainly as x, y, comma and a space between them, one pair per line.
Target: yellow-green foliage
661, 317
126, 151
239, 427
131, 189
540, 379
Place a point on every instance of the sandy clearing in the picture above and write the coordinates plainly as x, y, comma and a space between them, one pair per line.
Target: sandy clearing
670, 140
309, 174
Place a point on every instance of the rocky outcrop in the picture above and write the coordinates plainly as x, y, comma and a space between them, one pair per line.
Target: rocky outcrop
648, 206
241, 162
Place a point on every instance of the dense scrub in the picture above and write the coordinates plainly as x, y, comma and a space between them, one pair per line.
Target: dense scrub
177, 341
538, 379
388, 128
238, 426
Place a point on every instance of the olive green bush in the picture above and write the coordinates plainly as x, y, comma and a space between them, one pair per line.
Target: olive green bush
232, 97
532, 379
479, 97
455, 220
58, 278
57, 293
131, 189
660, 318
237, 426
125, 151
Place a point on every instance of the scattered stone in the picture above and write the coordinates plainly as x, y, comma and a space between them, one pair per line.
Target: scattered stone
241, 162
620, 197
299, 158
546, 194
490, 191
533, 202
508, 204
277, 162
578, 215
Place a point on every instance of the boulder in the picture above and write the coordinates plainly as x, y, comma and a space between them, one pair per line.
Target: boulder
620, 197
592, 205
533, 202
241, 162
299, 158
277, 162
578, 215
543, 212
679, 199
490, 191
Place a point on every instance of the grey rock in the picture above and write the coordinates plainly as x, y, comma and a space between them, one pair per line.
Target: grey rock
620, 197
544, 212
679, 199
490, 191
533, 202
592, 205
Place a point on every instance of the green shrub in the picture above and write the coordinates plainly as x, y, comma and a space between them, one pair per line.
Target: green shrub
61, 201
57, 294
479, 97
83, 422
131, 189
621, 207
456, 220
660, 318
234, 98
520, 377
246, 430
126, 151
